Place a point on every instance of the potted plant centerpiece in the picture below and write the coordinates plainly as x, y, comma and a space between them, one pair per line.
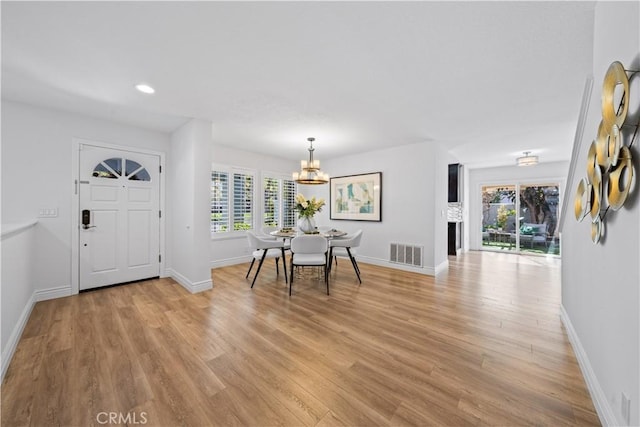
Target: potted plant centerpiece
306, 210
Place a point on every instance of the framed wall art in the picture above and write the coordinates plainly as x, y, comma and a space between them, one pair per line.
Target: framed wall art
356, 197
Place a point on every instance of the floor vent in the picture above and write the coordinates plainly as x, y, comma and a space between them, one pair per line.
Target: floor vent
406, 254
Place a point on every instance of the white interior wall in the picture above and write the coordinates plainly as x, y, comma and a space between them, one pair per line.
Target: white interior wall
540, 173
36, 174
17, 291
412, 207
440, 203
414, 201
189, 214
601, 283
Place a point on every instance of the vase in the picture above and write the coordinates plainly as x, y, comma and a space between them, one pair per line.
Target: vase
307, 224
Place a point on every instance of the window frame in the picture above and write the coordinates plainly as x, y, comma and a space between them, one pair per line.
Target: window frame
230, 171
281, 178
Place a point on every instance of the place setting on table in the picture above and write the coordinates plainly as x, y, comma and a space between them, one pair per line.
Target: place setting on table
333, 233
289, 233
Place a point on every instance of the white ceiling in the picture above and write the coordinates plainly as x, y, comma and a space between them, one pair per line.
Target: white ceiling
488, 79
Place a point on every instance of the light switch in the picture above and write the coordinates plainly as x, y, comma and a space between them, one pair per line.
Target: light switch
48, 213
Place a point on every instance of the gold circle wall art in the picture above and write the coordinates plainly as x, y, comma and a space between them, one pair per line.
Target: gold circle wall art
610, 171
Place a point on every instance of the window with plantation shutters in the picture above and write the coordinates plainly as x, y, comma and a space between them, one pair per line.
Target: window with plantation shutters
232, 200
219, 202
289, 203
278, 196
271, 199
242, 201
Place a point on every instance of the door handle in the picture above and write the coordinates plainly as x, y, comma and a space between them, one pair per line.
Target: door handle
86, 219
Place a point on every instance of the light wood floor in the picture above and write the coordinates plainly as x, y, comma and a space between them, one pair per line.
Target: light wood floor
480, 345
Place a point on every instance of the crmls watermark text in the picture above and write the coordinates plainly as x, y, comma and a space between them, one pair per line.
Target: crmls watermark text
130, 418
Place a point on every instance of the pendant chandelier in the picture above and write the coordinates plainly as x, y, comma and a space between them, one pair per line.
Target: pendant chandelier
310, 172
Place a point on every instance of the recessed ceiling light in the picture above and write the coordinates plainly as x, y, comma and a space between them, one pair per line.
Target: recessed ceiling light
145, 88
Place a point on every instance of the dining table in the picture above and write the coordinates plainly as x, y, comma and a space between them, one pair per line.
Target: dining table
291, 233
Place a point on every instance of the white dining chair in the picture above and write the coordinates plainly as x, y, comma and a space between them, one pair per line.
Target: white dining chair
343, 247
309, 250
265, 248
266, 230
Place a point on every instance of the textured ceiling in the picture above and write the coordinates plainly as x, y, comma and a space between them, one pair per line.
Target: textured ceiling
487, 79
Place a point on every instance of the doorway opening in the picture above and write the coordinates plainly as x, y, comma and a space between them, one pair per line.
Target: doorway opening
521, 218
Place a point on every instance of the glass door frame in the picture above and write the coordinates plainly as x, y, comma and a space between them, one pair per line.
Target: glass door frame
518, 184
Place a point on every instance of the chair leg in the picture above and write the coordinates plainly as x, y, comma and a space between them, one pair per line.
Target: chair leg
291, 275
250, 267
326, 272
277, 267
331, 258
284, 266
355, 265
264, 255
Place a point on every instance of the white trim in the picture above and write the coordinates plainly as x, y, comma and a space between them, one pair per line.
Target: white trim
604, 410
230, 261
517, 184
443, 266
276, 175
577, 144
427, 271
232, 237
14, 339
52, 293
12, 343
10, 229
193, 287
230, 170
75, 203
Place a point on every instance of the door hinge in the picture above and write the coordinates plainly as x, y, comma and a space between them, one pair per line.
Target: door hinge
159, 257
160, 168
159, 214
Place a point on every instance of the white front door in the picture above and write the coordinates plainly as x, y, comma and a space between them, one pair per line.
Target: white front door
119, 216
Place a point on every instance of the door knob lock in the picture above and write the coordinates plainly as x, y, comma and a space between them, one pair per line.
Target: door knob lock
86, 219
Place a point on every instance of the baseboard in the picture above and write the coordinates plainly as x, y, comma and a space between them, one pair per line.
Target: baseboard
51, 293
443, 266
230, 261
12, 344
428, 271
604, 410
193, 287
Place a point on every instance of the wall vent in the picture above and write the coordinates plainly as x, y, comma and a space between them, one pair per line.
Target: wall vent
401, 253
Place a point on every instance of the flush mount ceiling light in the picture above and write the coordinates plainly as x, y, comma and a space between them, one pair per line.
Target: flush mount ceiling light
145, 88
527, 160
310, 172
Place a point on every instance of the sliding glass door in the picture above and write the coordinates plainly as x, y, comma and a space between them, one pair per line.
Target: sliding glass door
521, 218
539, 218
499, 217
